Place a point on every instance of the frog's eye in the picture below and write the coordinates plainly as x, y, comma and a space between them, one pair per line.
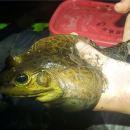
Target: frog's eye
22, 78
43, 79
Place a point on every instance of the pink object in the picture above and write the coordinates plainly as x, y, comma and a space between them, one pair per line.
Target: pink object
95, 20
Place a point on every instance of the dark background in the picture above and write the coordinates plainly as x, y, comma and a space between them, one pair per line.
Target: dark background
25, 114
12, 10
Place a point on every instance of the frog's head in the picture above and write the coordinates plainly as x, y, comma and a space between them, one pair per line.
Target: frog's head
22, 79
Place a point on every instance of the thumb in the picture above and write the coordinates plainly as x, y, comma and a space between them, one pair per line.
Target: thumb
123, 6
91, 55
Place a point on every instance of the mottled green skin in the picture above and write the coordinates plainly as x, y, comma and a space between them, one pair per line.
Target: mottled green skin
56, 76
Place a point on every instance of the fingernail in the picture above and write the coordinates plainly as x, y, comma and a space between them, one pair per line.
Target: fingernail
80, 45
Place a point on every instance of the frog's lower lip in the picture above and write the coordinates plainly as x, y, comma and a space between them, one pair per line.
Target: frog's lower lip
33, 93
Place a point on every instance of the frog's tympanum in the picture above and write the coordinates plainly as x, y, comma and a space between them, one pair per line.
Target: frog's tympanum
52, 73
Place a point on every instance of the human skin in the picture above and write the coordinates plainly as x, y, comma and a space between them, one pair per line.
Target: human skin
117, 95
124, 7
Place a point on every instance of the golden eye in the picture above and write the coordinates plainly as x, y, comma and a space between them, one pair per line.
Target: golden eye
43, 79
22, 78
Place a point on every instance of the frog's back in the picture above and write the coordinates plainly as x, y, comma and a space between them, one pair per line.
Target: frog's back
60, 42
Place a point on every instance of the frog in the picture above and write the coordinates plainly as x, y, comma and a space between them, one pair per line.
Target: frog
52, 72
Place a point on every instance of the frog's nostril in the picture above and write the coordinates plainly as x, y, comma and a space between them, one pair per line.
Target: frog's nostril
11, 85
8, 85
8, 59
7, 82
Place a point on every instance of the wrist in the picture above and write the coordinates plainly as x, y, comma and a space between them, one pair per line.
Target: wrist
117, 96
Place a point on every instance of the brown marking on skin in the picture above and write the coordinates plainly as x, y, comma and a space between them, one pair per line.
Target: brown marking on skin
98, 58
77, 60
60, 44
48, 44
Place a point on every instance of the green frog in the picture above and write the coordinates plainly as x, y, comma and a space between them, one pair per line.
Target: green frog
53, 73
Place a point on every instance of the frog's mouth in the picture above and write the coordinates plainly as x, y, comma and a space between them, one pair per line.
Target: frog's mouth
43, 95
11, 90
18, 92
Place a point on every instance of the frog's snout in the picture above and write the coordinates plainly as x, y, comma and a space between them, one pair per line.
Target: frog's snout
6, 84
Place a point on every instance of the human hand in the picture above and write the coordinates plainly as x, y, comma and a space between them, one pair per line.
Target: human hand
117, 96
124, 7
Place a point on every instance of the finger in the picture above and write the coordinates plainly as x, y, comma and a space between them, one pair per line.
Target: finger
91, 55
74, 33
126, 35
123, 6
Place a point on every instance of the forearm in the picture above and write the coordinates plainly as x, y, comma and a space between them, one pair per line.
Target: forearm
117, 103
117, 96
